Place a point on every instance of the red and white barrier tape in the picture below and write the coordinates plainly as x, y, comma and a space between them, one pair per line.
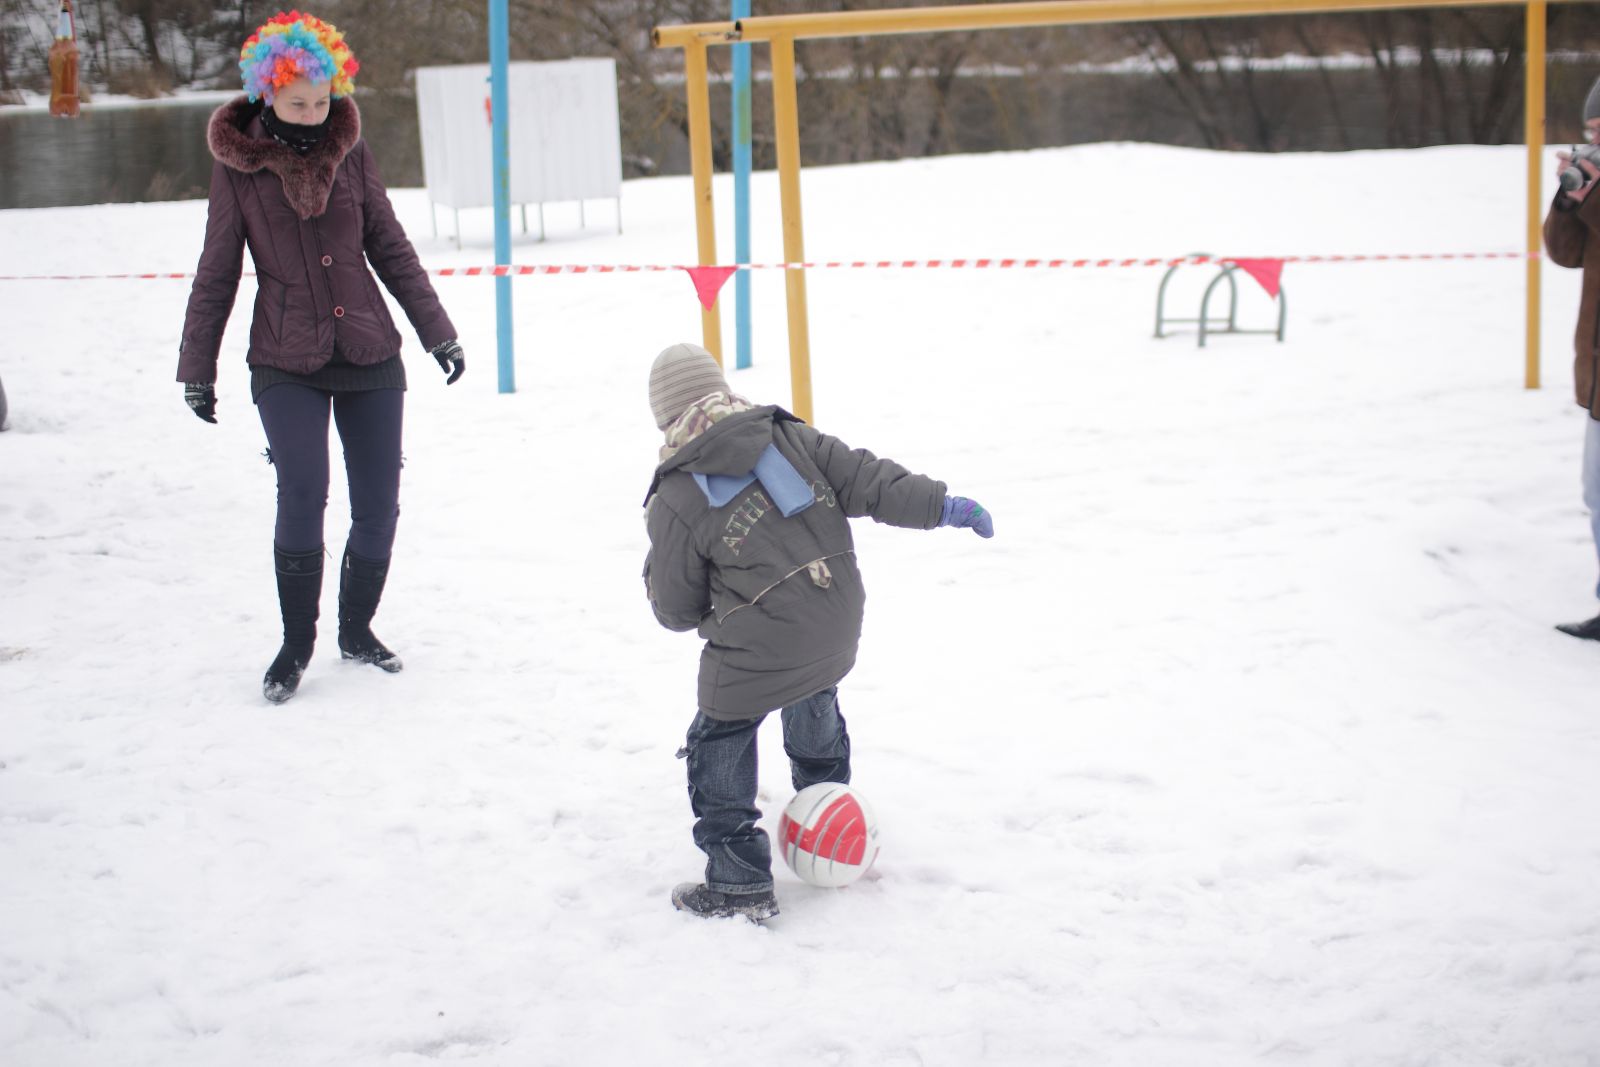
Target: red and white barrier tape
514, 269
970, 264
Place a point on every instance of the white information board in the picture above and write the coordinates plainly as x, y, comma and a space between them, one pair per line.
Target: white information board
565, 134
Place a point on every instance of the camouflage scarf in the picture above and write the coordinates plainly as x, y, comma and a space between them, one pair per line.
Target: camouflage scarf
701, 416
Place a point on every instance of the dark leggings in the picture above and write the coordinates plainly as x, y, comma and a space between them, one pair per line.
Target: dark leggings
296, 420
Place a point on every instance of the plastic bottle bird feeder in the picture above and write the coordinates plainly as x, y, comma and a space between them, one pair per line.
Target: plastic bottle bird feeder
64, 65
1206, 324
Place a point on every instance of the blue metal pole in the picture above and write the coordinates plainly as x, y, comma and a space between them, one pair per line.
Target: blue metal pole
741, 189
499, 106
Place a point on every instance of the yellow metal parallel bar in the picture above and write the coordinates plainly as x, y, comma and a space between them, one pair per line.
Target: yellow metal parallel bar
1014, 15
786, 123
1049, 13
1533, 132
694, 63
690, 33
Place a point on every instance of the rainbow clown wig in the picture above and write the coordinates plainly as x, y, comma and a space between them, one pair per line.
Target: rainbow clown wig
291, 46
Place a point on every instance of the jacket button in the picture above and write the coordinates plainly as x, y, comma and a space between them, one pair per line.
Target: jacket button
327, 261
338, 312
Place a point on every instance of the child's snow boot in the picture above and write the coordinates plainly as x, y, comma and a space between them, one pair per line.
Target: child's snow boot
1588, 629
698, 899
299, 590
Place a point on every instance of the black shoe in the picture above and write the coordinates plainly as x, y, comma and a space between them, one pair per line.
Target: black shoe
1588, 629
361, 582
697, 899
283, 677
361, 646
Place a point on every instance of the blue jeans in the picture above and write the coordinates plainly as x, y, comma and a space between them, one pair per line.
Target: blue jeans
722, 784
1591, 479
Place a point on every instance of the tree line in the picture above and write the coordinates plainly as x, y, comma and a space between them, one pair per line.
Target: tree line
1332, 81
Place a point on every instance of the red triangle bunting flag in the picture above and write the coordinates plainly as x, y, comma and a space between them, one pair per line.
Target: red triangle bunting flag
708, 282
1265, 271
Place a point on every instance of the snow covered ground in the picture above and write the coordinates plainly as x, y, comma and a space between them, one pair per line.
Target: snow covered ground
1246, 740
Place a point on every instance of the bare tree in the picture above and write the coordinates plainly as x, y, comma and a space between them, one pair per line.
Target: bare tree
1421, 77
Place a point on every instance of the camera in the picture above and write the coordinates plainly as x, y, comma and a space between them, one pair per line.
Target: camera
1575, 177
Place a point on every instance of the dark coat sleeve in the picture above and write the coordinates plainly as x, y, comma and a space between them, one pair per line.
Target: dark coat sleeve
1566, 229
867, 485
216, 282
676, 576
391, 255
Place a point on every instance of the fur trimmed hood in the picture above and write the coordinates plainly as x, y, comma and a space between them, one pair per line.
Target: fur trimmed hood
237, 141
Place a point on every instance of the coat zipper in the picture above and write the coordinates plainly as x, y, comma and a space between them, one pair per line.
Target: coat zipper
754, 600
1594, 359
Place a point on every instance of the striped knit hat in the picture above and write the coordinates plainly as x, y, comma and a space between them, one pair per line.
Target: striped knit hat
681, 375
1591, 106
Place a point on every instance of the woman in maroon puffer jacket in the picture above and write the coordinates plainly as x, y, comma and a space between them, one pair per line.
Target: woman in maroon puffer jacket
296, 183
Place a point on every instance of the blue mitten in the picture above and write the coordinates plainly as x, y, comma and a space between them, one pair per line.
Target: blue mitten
959, 511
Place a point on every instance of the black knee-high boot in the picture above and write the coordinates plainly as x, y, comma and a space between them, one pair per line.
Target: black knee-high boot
299, 590
360, 588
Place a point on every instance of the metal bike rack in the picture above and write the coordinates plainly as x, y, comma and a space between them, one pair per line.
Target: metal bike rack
1205, 324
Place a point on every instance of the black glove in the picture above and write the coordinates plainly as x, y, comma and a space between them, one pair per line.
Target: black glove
451, 359
202, 399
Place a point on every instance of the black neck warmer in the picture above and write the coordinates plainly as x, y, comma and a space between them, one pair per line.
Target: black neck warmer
300, 138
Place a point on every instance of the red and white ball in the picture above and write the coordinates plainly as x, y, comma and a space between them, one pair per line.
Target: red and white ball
828, 835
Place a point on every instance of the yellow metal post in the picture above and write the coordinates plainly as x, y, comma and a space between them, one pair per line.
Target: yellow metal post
1533, 125
694, 64
786, 123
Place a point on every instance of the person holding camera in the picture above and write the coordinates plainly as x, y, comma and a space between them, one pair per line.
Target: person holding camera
1572, 239
295, 183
